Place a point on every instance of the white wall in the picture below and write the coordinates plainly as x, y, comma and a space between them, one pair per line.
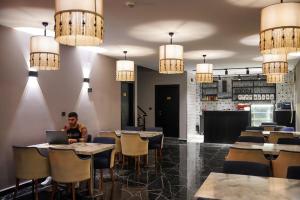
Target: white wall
29, 106
147, 79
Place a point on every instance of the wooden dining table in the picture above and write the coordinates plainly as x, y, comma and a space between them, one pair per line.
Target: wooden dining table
295, 133
244, 187
267, 148
88, 149
143, 134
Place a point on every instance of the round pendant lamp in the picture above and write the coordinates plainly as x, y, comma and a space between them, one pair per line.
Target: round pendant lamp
79, 22
44, 52
275, 78
125, 69
204, 72
171, 58
280, 28
274, 64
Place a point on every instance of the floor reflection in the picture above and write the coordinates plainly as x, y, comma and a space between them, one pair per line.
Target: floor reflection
182, 170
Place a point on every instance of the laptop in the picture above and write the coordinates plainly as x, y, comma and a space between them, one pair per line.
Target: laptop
57, 137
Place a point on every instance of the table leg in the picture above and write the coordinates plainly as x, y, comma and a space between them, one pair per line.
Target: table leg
92, 175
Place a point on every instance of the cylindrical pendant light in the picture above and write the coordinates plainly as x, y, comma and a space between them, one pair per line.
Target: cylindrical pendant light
79, 22
125, 69
204, 72
274, 64
171, 58
280, 28
44, 52
275, 78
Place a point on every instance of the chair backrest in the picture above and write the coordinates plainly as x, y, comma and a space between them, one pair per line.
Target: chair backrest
156, 141
283, 161
288, 129
251, 139
252, 133
254, 128
274, 136
246, 168
30, 164
248, 155
112, 134
293, 172
67, 167
110, 154
133, 145
292, 141
133, 128
158, 129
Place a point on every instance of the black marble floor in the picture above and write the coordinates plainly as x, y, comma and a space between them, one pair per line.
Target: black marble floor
179, 174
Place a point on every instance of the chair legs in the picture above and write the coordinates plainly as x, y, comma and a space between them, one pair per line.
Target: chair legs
111, 170
101, 180
17, 188
36, 194
54, 190
73, 191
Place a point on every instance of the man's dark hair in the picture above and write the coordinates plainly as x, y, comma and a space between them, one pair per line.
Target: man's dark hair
73, 114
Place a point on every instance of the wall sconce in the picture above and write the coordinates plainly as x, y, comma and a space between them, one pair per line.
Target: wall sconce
33, 74
86, 80
226, 71
90, 90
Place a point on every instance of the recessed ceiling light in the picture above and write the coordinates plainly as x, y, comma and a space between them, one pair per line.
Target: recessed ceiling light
213, 54
252, 3
34, 31
184, 30
252, 40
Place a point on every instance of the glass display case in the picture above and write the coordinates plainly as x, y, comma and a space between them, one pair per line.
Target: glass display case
261, 113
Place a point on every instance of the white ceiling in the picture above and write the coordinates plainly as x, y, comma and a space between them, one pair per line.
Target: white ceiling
225, 30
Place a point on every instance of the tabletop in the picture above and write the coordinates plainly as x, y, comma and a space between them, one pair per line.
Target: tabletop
268, 148
244, 187
143, 134
296, 134
79, 148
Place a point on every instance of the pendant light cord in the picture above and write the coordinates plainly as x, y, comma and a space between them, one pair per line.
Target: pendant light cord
171, 34
125, 52
45, 24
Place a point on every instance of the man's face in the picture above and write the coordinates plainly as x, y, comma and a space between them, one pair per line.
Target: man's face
72, 121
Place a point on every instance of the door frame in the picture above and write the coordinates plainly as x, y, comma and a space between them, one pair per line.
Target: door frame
178, 86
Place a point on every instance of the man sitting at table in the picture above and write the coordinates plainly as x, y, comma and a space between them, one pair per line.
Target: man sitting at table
76, 131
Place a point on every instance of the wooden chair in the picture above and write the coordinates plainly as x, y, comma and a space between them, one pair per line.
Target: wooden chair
112, 134
249, 155
30, 165
283, 161
252, 133
274, 136
134, 146
66, 167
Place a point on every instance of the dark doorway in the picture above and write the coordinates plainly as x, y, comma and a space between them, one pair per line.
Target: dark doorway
127, 104
167, 109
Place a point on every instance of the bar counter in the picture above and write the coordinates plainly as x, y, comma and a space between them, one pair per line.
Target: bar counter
224, 126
